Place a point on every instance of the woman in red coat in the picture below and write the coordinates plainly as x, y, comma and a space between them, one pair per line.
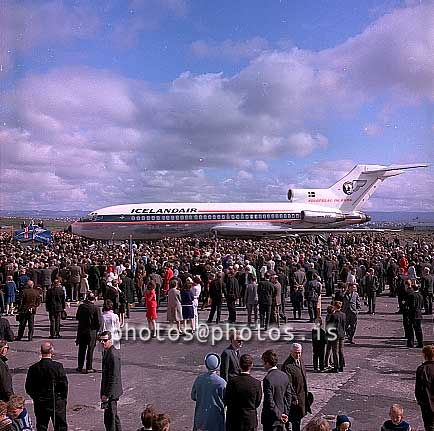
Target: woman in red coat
151, 307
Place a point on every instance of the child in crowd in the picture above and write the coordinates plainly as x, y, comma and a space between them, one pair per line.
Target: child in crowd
319, 342
343, 423
5, 421
161, 423
147, 417
19, 414
396, 422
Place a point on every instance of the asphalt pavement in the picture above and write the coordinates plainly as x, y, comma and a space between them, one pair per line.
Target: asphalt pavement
380, 369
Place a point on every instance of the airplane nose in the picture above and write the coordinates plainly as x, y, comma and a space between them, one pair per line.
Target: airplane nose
368, 217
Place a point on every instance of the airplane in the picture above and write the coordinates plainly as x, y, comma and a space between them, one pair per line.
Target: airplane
309, 211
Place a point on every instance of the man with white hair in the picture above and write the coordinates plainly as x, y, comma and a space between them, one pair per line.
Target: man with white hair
296, 372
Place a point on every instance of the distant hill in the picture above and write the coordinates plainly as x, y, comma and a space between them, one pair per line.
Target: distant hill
44, 214
402, 217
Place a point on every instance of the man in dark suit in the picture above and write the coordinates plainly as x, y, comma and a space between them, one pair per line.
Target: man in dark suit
6, 389
424, 389
296, 372
216, 296
266, 291
278, 394
30, 301
232, 293
55, 304
47, 385
230, 358
337, 327
415, 307
88, 316
243, 396
111, 383
127, 287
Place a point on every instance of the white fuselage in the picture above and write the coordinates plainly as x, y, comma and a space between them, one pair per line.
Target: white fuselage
158, 220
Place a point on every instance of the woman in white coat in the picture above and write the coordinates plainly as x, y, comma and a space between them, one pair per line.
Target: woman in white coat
110, 322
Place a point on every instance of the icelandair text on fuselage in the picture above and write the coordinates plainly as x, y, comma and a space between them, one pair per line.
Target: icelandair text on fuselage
163, 210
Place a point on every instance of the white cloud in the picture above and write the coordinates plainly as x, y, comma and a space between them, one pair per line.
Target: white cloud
105, 139
229, 49
25, 26
260, 166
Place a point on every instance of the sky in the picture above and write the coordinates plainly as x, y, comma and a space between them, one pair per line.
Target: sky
106, 102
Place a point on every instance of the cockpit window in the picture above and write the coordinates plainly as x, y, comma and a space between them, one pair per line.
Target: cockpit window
89, 217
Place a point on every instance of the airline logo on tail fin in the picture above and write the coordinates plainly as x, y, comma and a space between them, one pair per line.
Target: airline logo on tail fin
351, 187
353, 190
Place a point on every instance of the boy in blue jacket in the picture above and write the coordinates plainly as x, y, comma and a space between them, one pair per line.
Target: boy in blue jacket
396, 422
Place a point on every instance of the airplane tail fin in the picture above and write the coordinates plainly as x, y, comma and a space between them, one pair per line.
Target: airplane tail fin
352, 191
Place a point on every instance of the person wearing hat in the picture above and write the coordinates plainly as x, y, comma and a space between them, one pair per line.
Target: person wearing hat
343, 423
208, 392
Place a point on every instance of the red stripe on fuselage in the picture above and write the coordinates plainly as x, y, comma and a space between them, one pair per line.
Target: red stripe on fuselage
186, 221
248, 211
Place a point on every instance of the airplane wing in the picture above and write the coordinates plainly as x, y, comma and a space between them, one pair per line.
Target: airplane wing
269, 229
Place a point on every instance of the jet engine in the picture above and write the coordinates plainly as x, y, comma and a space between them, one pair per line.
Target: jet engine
321, 217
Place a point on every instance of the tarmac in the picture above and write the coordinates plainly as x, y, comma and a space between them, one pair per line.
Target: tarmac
380, 370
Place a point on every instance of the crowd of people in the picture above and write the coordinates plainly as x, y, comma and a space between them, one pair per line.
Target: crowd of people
274, 280
284, 393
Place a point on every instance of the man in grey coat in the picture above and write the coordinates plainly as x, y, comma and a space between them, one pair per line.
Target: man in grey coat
351, 306
296, 372
278, 394
251, 300
74, 280
230, 360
